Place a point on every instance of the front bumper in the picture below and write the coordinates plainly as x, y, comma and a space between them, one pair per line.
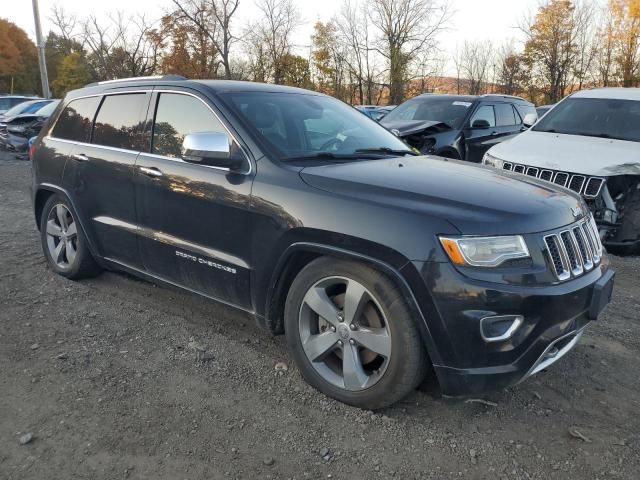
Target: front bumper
554, 319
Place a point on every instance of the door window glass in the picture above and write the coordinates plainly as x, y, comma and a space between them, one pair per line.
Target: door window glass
504, 115
178, 115
119, 121
76, 120
487, 113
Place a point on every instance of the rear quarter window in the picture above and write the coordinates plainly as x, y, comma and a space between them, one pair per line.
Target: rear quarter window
76, 120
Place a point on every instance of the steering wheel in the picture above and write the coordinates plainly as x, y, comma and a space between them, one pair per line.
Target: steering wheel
330, 143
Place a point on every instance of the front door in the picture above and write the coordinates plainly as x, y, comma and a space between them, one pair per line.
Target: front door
193, 219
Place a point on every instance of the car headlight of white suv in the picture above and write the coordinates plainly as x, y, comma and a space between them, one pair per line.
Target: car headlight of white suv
492, 161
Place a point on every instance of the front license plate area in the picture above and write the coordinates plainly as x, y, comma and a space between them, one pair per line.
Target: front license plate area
602, 291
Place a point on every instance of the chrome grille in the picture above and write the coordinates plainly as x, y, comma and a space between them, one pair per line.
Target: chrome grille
574, 251
588, 187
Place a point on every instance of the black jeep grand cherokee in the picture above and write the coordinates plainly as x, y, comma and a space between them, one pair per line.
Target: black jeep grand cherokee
378, 265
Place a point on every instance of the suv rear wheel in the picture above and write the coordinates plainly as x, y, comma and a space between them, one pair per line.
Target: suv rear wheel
352, 334
64, 242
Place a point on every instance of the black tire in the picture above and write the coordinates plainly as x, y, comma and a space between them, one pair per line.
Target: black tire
83, 264
407, 363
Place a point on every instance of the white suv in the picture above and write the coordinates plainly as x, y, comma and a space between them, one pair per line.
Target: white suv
589, 143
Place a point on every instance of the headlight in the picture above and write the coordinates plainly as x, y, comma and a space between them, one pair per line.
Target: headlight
492, 161
484, 251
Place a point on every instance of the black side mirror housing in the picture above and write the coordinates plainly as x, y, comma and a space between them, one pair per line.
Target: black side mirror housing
480, 123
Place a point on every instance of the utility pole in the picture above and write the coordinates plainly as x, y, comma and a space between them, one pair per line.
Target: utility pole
43, 64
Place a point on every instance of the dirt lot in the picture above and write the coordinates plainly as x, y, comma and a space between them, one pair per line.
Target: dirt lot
103, 374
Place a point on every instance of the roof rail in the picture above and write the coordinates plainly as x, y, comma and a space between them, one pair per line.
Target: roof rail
133, 79
503, 96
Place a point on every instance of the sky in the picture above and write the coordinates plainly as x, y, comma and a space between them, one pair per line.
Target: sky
473, 19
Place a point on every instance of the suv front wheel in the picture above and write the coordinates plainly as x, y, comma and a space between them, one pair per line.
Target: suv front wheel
352, 334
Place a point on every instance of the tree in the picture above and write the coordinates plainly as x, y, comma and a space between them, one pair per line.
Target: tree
328, 56
269, 40
512, 70
213, 18
18, 60
552, 48
406, 27
354, 35
626, 34
73, 72
475, 60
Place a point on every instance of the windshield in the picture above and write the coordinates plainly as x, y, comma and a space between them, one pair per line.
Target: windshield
594, 117
25, 107
451, 111
48, 109
298, 126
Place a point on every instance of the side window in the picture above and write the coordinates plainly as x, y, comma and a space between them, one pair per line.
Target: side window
487, 113
119, 121
504, 115
176, 116
525, 110
76, 120
517, 114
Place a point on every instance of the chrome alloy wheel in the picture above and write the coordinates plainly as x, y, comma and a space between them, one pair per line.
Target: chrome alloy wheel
62, 236
344, 333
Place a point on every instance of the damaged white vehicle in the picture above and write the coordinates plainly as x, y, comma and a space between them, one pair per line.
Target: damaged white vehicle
588, 143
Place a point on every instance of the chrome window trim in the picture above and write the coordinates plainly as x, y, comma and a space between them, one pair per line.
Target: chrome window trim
154, 155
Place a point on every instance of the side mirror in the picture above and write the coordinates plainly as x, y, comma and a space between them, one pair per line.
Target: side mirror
212, 149
480, 123
530, 119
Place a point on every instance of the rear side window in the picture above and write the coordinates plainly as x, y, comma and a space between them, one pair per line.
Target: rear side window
178, 115
525, 110
76, 120
487, 113
119, 121
504, 115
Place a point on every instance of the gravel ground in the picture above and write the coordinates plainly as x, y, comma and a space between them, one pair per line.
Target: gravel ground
105, 379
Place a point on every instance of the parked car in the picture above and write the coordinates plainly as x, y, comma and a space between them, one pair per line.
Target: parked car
15, 134
543, 109
377, 112
588, 143
28, 106
460, 127
377, 264
10, 101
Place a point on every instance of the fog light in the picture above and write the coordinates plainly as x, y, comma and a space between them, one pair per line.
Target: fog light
499, 328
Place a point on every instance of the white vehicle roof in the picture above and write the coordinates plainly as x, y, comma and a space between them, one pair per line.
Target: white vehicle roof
614, 93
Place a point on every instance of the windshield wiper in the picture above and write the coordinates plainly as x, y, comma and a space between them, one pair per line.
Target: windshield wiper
338, 156
385, 150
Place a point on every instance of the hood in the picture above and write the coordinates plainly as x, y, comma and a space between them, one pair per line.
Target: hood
409, 127
477, 200
594, 156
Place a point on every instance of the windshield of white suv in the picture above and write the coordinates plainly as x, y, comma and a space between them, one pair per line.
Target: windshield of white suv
448, 110
299, 126
594, 117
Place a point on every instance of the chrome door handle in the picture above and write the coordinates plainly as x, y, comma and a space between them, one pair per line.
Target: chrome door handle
151, 172
81, 157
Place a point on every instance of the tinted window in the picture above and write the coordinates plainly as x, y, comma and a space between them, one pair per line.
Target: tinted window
594, 117
76, 120
504, 115
176, 116
119, 120
446, 110
487, 113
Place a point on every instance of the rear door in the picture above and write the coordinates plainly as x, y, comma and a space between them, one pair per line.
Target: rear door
100, 175
194, 219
